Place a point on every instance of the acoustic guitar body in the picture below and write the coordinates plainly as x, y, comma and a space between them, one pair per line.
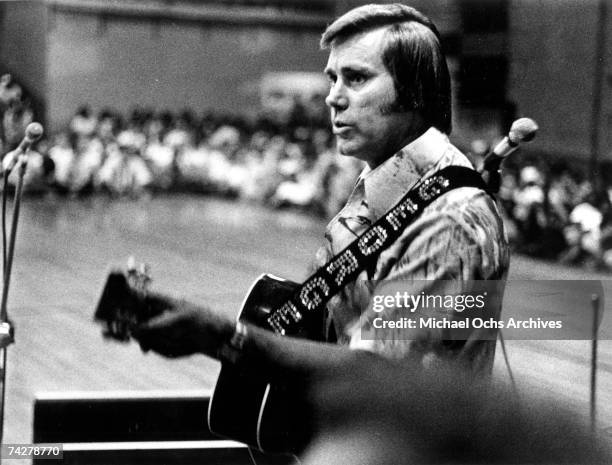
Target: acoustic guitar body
245, 406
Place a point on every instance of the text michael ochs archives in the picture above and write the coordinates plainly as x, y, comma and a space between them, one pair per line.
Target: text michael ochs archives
460, 310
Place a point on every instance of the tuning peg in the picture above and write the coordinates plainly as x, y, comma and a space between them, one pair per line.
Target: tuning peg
131, 264
144, 269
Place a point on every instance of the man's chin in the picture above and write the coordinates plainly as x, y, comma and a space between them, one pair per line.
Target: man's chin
347, 150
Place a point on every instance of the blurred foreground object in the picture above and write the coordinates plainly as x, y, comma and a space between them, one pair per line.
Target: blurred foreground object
387, 413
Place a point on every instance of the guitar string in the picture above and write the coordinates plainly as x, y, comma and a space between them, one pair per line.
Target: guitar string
252, 456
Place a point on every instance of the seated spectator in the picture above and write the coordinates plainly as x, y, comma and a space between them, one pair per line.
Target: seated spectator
133, 137
192, 167
260, 177
223, 143
529, 211
300, 185
63, 156
89, 158
108, 125
562, 196
160, 159
16, 117
124, 172
586, 222
180, 135
84, 122
262, 160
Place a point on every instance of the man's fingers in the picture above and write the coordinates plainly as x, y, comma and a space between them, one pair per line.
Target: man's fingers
159, 322
175, 332
167, 347
162, 334
159, 302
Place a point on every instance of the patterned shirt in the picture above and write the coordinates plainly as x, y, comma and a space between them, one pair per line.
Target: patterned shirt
457, 239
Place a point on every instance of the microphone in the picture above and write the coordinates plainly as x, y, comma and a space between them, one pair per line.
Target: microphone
33, 132
522, 130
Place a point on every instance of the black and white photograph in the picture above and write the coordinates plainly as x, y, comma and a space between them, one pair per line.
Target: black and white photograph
306, 232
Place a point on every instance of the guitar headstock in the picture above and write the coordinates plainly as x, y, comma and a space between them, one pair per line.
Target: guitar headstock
123, 303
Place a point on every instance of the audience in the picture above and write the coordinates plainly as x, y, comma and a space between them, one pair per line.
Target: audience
555, 213
257, 161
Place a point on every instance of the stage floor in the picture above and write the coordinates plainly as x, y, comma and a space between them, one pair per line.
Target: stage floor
208, 250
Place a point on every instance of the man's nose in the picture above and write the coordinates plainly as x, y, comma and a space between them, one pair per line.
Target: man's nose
337, 98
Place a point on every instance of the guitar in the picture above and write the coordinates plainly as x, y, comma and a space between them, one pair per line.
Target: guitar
249, 408
244, 407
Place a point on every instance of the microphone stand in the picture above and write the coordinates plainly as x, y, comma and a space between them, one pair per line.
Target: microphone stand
491, 174
6, 331
594, 340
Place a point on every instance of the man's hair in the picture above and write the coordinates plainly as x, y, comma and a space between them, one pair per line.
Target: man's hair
412, 55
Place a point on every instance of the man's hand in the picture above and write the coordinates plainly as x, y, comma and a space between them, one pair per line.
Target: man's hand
183, 328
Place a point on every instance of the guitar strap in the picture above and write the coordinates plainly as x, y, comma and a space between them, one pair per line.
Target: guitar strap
310, 298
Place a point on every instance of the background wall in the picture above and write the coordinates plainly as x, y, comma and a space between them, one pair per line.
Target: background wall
23, 46
111, 54
119, 62
552, 55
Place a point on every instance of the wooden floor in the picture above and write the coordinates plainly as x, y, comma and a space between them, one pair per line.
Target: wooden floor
209, 250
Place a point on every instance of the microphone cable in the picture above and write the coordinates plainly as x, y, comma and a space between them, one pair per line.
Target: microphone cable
502, 342
3, 361
5, 176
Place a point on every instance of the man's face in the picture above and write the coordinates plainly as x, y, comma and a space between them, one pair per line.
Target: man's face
365, 118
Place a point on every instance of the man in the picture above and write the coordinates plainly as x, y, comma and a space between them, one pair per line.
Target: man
390, 107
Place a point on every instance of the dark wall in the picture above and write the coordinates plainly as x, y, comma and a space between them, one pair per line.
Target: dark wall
553, 53
23, 46
167, 63
124, 62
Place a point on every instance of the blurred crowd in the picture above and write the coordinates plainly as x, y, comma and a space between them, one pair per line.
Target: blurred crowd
256, 160
551, 211
556, 212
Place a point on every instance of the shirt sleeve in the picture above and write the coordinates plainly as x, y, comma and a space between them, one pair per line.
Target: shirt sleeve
456, 248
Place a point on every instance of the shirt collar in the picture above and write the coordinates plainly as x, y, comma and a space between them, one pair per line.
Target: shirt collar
389, 182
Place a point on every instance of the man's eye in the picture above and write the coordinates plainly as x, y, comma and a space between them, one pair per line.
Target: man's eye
356, 78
